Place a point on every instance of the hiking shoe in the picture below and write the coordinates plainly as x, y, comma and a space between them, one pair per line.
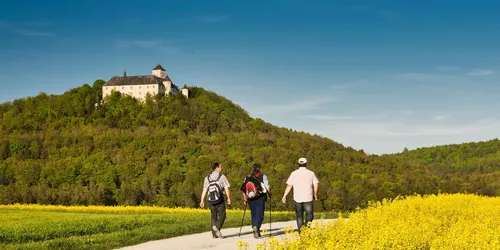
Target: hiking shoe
255, 232
217, 231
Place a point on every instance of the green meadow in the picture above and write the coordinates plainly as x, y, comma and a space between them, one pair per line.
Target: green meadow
39, 228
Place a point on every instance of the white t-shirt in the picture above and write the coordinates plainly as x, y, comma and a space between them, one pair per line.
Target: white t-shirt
223, 182
302, 181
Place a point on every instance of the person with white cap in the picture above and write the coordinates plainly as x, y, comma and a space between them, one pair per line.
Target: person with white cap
302, 181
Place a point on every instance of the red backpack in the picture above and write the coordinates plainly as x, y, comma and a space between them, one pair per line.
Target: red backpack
253, 189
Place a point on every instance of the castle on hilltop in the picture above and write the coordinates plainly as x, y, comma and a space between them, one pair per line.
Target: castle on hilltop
139, 86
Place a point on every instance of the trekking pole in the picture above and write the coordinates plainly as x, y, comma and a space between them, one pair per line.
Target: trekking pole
270, 210
244, 210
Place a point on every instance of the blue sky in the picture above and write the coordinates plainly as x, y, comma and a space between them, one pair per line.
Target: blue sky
373, 75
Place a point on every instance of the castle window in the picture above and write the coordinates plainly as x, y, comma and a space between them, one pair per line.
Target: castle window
123, 87
140, 93
130, 87
139, 86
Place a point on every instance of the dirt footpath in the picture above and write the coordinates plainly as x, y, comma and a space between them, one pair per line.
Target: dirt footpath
229, 241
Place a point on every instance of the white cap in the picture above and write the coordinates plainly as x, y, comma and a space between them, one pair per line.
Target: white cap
302, 160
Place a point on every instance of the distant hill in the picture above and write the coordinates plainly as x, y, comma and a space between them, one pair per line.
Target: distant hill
65, 149
467, 167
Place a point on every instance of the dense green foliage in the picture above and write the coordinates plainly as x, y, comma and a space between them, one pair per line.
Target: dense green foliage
63, 149
467, 167
22, 229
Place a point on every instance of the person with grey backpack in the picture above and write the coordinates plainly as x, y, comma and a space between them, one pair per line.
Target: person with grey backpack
215, 186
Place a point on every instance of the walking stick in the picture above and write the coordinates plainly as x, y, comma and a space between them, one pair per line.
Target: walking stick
270, 209
244, 210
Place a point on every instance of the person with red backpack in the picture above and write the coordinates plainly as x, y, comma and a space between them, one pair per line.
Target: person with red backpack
255, 189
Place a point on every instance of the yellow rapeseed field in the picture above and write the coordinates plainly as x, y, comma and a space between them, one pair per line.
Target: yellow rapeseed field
103, 209
445, 221
115, 209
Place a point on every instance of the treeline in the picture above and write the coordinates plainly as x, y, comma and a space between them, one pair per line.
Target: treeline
70, 149
467, 167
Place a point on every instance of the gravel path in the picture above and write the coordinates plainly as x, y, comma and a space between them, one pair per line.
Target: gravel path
229, 240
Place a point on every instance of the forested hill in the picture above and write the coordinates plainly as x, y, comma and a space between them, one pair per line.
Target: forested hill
63, 149
466, 167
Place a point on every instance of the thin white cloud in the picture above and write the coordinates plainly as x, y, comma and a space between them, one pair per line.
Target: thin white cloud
462, 77
144, 44
436, 78
147, 44
447, 68
407, 112
295, 107
381, 137
214, 19
33, 33
341, 86
329, 117
351, 85
26, 29
36, 24
401, 129
481, 72
439, 117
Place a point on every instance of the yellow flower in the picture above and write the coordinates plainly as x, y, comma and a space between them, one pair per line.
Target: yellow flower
444, 221
116, 209
241, 244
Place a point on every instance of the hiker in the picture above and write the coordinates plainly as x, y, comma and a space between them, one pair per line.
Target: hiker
302, 181
255, 189
214, 186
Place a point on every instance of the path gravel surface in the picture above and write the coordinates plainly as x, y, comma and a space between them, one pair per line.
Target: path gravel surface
229, 241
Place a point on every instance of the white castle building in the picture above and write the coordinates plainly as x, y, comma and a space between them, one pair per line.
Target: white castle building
139, 86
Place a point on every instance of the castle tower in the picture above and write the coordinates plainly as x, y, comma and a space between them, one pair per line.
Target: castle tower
185, 91
159, 71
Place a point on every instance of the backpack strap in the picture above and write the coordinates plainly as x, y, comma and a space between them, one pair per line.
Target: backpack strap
252, 175
209, 180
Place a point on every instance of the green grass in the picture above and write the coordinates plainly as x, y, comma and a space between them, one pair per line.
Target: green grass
24, 229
